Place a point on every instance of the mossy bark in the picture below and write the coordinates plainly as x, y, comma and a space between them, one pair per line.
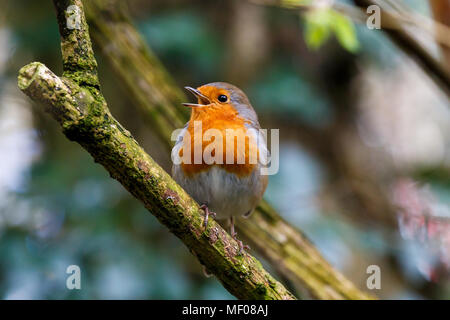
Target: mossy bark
74, 100
159, 100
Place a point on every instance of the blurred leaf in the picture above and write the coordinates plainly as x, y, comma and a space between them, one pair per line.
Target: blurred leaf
318, 28
321, 23
295, 3
345, 32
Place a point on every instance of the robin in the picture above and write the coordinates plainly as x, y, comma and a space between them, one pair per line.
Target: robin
226, 180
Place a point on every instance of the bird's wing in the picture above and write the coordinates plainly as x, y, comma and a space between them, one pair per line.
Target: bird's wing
260, 137
178, 144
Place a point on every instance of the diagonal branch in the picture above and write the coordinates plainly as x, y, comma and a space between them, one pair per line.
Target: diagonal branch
424, 58
441, 12
75, 101
159, 100
393, 24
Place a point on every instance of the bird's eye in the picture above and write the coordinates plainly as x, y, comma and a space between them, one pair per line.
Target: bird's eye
222, 98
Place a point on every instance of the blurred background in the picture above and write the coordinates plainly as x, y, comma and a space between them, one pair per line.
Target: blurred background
364, 151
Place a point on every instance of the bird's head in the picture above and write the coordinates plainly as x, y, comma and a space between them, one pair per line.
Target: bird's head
220, 98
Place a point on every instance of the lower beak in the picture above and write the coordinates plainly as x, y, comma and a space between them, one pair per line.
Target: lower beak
201, 98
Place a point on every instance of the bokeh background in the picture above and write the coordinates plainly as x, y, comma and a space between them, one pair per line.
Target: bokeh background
364, 152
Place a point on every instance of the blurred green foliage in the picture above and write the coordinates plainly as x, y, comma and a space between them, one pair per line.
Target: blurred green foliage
284, 88
320, 24
186, 40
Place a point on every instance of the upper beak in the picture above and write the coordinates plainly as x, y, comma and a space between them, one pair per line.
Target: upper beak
201, 98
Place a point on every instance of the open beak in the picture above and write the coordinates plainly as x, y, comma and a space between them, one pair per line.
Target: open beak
203, 100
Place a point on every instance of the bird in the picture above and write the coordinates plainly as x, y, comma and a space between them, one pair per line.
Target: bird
226, 182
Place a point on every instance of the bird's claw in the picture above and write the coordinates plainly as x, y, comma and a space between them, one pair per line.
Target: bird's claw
205, 208
241, 245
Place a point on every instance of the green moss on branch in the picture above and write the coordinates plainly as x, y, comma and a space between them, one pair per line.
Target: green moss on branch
79, 63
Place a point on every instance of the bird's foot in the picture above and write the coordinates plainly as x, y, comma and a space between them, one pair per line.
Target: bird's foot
242, 246
205, 208
234, 236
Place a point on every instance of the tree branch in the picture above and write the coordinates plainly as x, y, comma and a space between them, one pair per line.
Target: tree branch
394, 30
79, 63
159, 100
441, 12
75, 101
393, 25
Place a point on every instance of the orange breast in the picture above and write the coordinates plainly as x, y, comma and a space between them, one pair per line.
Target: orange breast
235, 142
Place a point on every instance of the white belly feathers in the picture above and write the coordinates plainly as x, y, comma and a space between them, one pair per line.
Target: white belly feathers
223, 192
